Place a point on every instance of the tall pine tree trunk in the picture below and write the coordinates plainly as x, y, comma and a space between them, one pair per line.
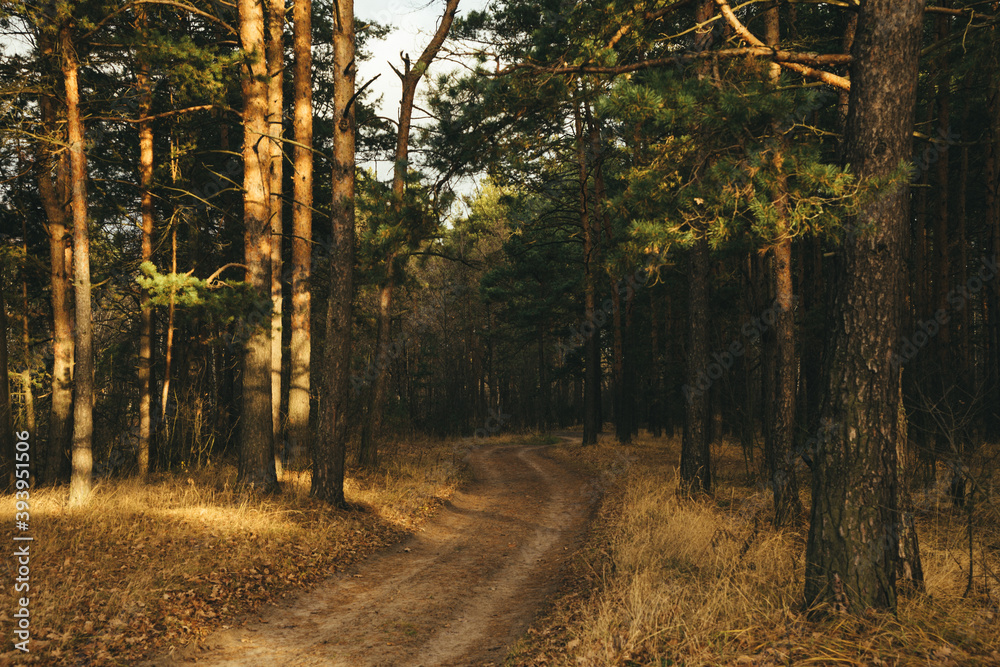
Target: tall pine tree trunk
146, 204
300, 437
82, 462
275, 106
256, 469
592, 351
695, 464
331, 442
779, 436
54, 195
852, 549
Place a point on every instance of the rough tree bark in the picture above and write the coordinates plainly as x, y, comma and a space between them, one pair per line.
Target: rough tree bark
695, 464
300, 437
54, 195
592, 350
145, 369
256, 468
275, 106
779, 436
331, 441
852, 549
82, 462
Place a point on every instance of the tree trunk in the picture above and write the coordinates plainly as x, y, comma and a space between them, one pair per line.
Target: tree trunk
275, 106
300, 438
911, 569
695, 464
54, 195
588, 330
256, 469
145, 370
168, 352
852, 549
330, 446
83, 377
780, 435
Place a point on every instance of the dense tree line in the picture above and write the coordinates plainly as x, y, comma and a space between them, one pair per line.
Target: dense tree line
776, 223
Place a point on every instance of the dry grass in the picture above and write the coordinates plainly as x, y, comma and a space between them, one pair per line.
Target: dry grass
147, 567
670, 580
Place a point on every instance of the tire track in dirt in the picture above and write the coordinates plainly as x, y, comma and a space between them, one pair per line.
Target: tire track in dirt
459, 592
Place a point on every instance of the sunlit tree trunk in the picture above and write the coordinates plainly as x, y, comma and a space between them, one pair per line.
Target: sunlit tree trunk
275, 104
54, 193
331, 441
852, 549
82, 463
302, 185
256, 469
145, 304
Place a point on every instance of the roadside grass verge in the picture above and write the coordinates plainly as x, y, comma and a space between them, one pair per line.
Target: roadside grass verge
668, 579
145, 568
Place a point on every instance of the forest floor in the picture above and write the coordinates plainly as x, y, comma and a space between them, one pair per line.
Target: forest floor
459, 591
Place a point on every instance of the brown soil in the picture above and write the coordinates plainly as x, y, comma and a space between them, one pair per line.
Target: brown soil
459, 592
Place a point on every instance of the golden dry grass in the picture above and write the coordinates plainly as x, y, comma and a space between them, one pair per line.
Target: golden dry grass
146, 567
666, 579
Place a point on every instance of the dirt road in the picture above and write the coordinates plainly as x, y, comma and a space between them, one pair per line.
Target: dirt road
457, 593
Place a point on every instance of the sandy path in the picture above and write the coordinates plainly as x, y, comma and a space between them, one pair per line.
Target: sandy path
459, 592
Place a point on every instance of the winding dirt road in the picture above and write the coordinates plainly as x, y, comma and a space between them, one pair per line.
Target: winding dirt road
459, 592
